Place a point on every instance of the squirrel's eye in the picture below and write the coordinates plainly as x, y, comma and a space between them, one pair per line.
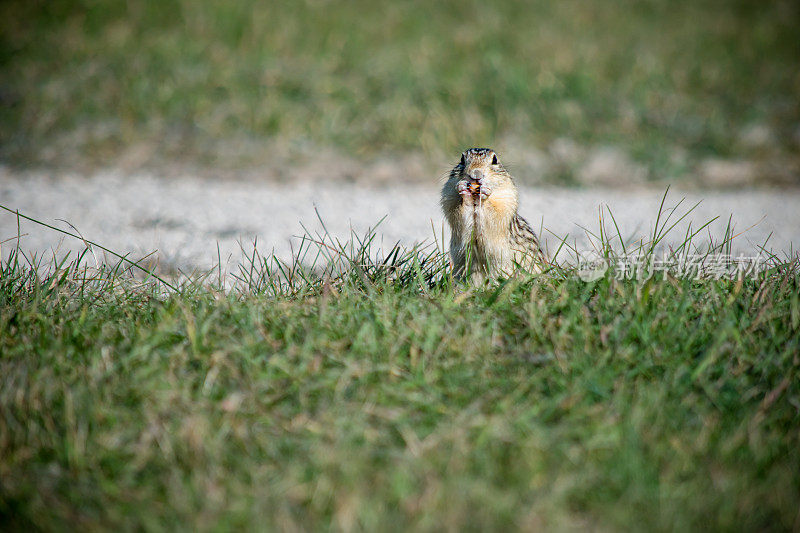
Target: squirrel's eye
463, 161
494, 159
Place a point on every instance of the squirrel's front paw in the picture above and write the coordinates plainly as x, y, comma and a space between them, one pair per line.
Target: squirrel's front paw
485, 190
464, 190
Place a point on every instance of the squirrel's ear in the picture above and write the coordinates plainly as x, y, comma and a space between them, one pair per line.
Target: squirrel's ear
494, 159
463, 161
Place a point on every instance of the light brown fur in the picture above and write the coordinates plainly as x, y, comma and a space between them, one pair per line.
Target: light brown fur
488, 236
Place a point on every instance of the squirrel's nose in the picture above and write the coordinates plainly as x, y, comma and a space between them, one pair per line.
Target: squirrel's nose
476, 174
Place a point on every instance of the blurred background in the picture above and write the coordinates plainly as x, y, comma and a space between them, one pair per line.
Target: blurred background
693, 92
191, 126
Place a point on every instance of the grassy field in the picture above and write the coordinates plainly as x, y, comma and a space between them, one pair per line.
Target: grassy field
383, 397
668, 82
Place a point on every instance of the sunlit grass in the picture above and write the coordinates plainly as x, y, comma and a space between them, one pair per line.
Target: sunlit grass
354, 389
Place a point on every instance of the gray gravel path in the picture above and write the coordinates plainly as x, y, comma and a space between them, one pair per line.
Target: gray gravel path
185, 218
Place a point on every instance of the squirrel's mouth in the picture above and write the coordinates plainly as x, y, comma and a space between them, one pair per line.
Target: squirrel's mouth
474, 186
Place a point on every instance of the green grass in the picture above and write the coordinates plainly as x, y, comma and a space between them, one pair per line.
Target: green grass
377, 395
670, 82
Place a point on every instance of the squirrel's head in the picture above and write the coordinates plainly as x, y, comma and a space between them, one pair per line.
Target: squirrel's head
482, 162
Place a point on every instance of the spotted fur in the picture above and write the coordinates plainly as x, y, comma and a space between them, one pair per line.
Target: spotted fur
488, 236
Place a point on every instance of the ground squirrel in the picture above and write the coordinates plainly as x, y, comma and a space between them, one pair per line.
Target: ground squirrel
488, 236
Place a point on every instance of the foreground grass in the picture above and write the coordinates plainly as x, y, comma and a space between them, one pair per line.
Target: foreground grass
364, 403
669, 82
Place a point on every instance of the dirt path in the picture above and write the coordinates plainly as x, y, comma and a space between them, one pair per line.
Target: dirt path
184, 219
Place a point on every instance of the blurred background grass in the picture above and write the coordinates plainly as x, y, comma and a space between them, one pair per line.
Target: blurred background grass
670, 84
